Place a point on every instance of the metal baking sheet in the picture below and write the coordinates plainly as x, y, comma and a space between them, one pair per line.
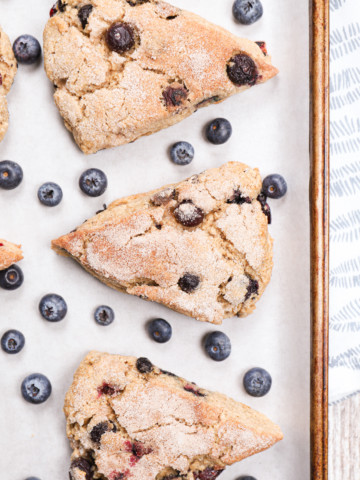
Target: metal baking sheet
270, 130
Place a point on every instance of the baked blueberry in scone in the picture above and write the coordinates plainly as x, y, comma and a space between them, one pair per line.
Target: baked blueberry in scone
127, 419
9, 254
127, 68
200, 247
8, 69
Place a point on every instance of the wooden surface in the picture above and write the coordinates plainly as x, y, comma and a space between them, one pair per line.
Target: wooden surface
319, 209
344, 439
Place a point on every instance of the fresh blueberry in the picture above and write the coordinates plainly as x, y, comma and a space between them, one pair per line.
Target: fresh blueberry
11, 174
274, 186
50, 194
247, 11
104, 315
11, 278
93, 182
217, 346
36, 388
246, 477
182, 153
257, 382
12, 341
53, 307
218, 131
27, 49
160, 330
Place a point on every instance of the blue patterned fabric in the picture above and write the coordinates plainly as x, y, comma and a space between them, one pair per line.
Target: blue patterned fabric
344, 198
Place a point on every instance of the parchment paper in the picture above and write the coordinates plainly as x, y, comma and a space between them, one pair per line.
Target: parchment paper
270, 130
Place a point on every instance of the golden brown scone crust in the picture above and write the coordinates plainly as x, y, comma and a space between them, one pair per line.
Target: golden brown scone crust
9, 254
8, 69
109, 99
4, 116
122, 423
137, 245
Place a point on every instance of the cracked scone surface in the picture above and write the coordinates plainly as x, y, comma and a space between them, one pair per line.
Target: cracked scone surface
9, 254
127, 418
178, 63
8, 69
200, 247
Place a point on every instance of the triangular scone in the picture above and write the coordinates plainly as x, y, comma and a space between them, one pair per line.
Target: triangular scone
8, 67
200, 247
127, 419
174, 63
9, 254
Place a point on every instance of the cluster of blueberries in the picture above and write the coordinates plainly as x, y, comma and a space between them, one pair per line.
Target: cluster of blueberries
92, 182
36, 388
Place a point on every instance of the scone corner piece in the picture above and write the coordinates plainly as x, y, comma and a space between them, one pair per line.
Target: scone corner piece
8, 68
9, 254
126, 418
172, 63
201, 246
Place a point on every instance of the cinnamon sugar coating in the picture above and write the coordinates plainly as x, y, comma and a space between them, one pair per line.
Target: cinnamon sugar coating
138, 245
178, 63
145, 426
8, 69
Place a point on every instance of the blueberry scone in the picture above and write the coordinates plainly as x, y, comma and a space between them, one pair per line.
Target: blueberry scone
9, 254
127, 419
8, 69
200, 247
127, 68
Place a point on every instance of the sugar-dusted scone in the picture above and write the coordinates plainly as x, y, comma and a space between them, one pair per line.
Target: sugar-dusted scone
8, 69
200, 247
9, 254
4, 116
127, 68
127, 419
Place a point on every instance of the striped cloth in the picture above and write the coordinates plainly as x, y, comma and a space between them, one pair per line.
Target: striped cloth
344, 198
